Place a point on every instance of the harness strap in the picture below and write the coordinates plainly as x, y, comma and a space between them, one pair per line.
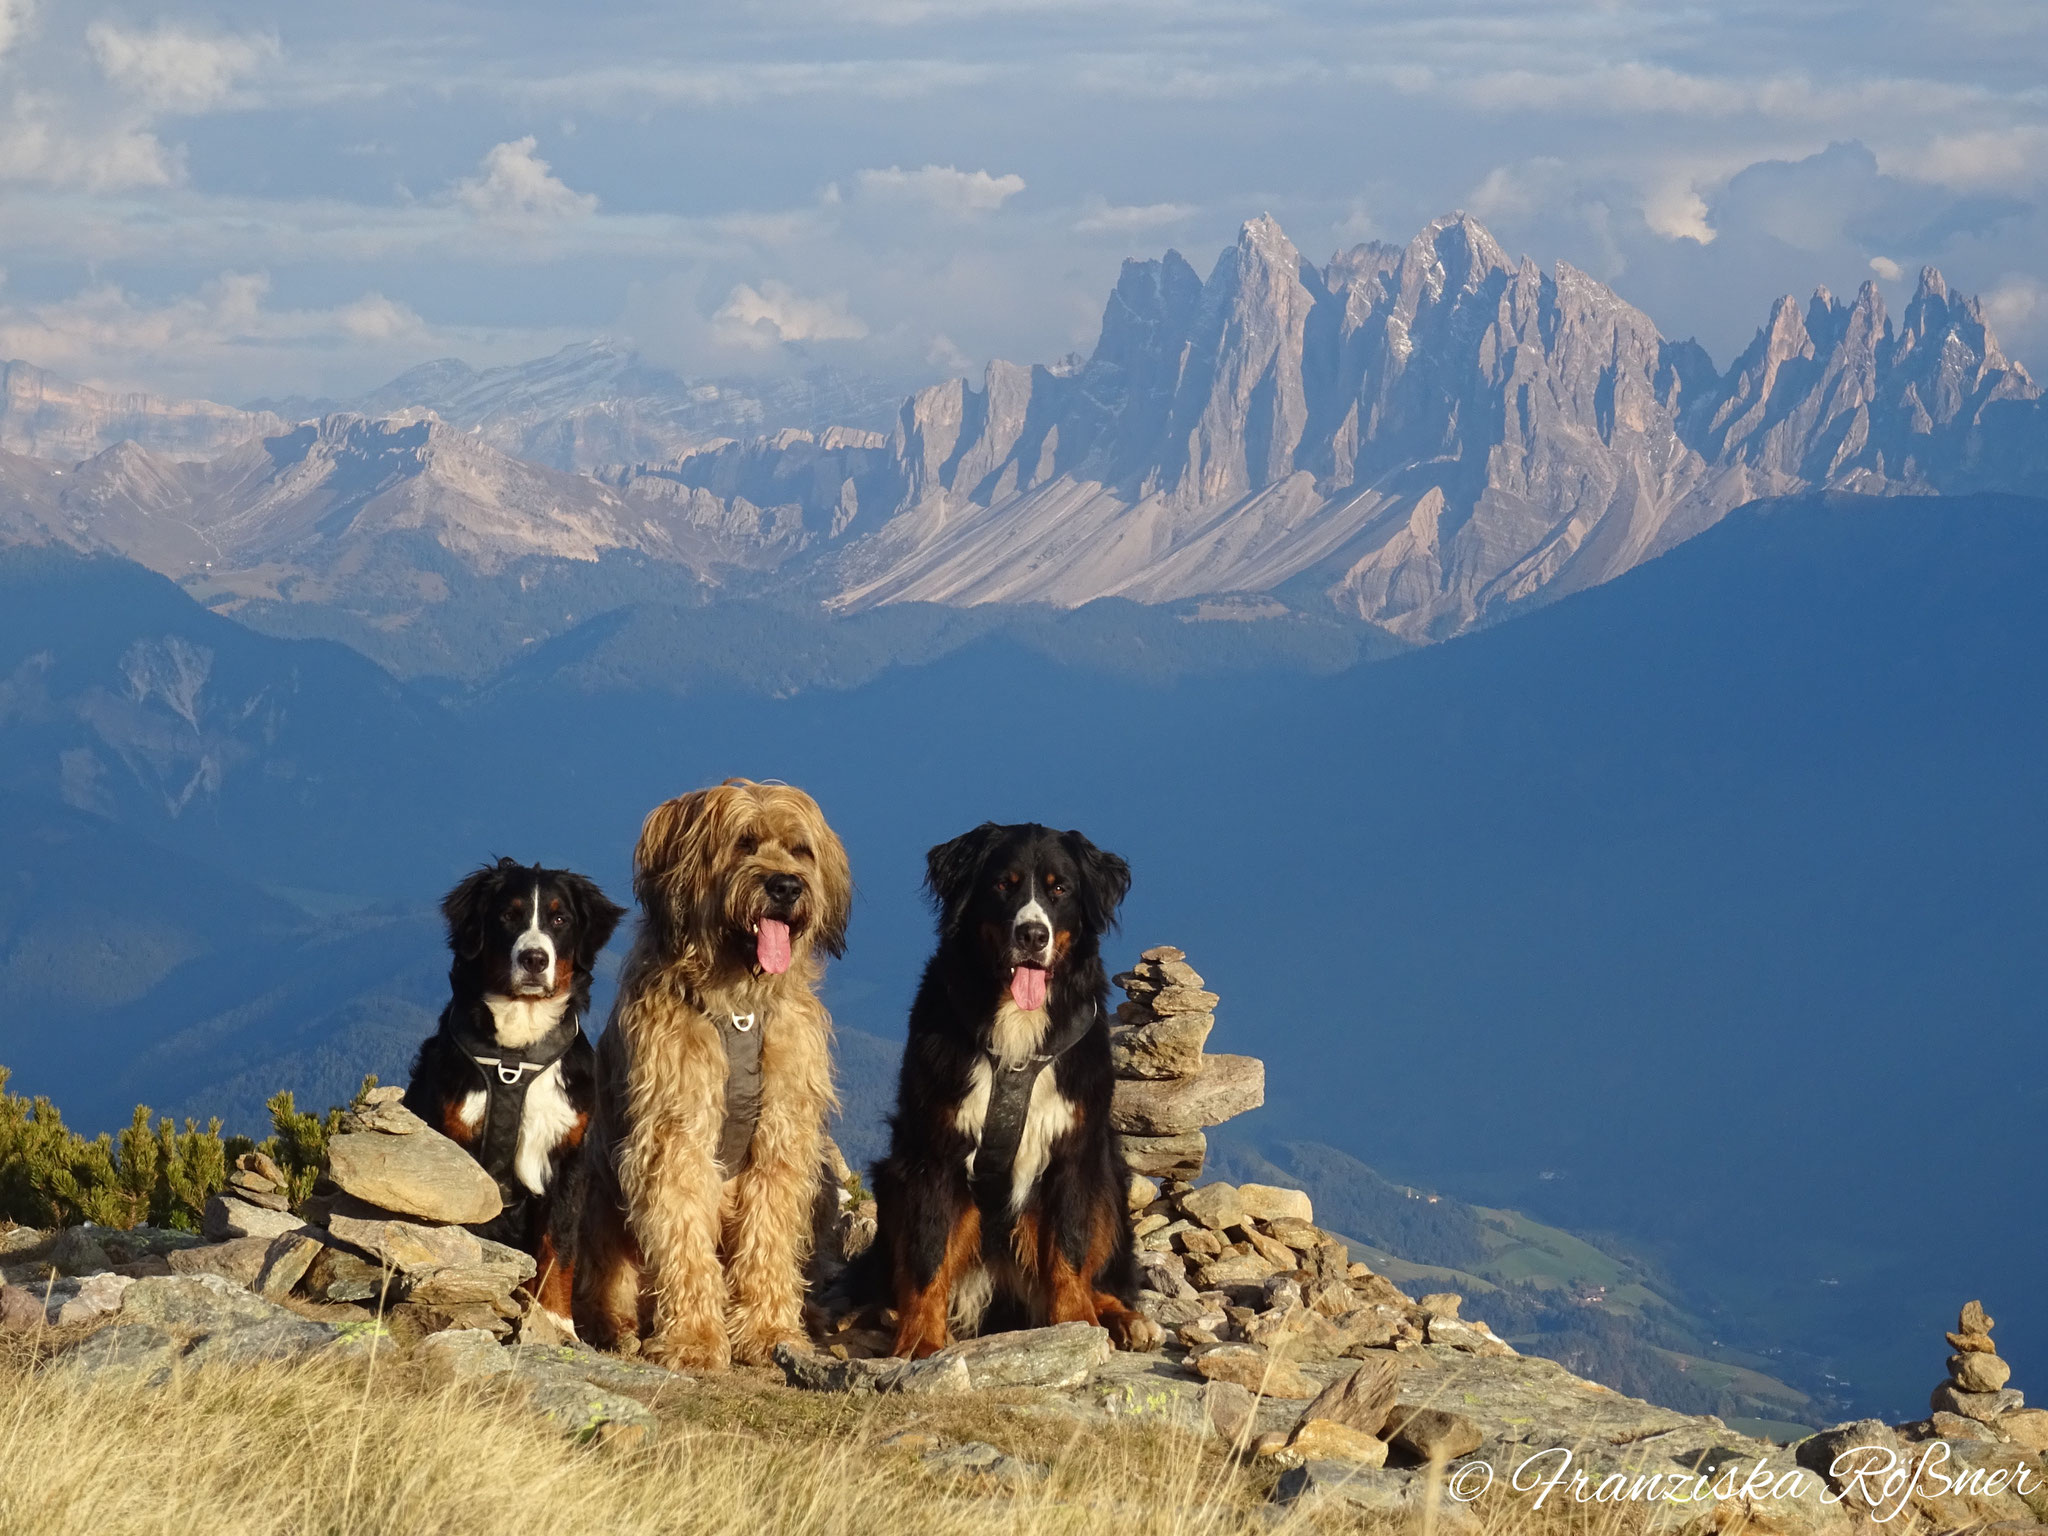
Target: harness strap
1009, 1108
507, 1072
742, 1036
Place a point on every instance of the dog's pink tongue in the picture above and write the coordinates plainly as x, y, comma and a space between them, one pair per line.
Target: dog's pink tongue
771, 946
1027, 988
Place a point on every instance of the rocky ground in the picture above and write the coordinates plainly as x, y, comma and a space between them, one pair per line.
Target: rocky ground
1328, 1387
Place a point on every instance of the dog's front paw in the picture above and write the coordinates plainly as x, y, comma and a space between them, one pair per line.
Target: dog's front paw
679, 1351
1134, 1331
759, 1348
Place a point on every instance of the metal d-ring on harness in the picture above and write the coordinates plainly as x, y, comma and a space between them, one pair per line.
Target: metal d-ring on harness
1009, 1107
507, 1074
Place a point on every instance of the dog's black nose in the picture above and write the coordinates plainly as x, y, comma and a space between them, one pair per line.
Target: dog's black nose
783, 890
1033, 937
533, 960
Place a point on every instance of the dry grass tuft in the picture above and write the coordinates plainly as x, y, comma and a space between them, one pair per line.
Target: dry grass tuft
348, 1448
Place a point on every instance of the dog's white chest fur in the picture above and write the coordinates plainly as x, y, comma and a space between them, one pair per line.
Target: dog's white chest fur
1050, 1115
545, 1118
519, 1021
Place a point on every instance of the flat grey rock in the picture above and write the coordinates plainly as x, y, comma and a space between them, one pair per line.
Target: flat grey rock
462, 1354
582, 1411
131, 1353
227, 1218
419, 1173
196, 1304
284, 1337
980, 1462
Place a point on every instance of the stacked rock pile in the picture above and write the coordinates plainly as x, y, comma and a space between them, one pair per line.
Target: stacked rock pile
1168, 1091
393, 1212
256, 1202
1974, 1402
1245, 1283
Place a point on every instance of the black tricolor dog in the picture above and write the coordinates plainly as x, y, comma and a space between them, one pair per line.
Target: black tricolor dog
509, 1072
1002, 1200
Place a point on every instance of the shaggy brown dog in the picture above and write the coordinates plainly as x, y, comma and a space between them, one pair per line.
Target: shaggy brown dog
695, 1232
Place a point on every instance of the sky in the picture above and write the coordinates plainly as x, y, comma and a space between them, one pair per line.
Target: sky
245, 199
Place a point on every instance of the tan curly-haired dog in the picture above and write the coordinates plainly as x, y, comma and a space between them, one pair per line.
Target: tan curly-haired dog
697, 1222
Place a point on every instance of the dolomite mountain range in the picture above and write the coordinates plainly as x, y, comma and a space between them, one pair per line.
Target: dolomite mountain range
1426, 437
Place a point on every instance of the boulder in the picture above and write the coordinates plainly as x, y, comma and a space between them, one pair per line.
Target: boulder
196, 1304
1215, 1206
1165, 1157
1064, 1355
21, 1310
440, 1265
1226, 1086
1231, 1411
137, 1354
1255, 1370
1269, 1203
1234, 1269
77, 1251
1360, 1400
585, 1412
227, 1218
239, 1260
1426, 1434
285, 1262
1472, 1337
1981, 1406
283, 1336
1977, 1371
1389, 1500
418, 1173
2027, 1428
1327, 1440
977, 1461
1160, 1048
1441, 1304
462, 1354
1169, 1001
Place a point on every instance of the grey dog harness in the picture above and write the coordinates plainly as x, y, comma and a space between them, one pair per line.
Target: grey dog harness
1009, 1107
741, 1033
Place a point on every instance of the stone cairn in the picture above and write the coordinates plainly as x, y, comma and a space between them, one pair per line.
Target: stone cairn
1974, 1402
394, 1208
386, 1228
1167, 1089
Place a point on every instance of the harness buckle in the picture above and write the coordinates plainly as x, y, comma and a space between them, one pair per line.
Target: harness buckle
742, 1022
509, 1076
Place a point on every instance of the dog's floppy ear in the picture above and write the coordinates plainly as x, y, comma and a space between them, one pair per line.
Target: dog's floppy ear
1105, 880
950, 869
835, 889
597, 915
463, 908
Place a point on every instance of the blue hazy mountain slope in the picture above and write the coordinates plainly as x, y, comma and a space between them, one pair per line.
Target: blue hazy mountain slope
1703, 908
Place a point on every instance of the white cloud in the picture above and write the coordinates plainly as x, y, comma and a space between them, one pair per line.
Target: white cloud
1886, 268
1993, 157
1677, 212
942, 187
106, 333
1100, 217
515, 186
2018, 301
173, 70
14, 19
1517, 191
37, 145
773, 313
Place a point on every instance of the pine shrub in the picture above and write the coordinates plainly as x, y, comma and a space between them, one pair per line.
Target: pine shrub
51, 1176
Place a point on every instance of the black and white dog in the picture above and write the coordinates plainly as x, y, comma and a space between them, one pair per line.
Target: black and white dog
509, 1072
1002, 1200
